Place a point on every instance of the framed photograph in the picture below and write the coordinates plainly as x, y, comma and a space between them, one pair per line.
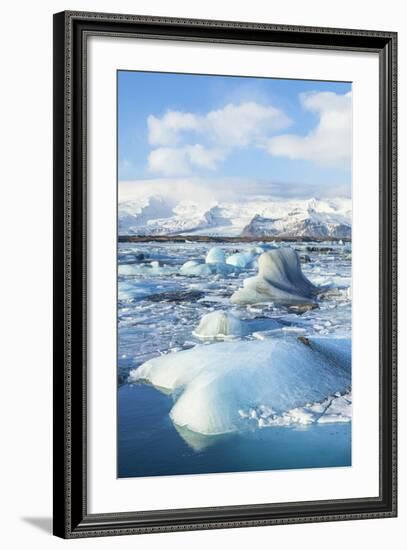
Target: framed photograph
225, 274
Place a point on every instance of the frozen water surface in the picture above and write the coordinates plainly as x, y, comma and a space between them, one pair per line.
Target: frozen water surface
160, 306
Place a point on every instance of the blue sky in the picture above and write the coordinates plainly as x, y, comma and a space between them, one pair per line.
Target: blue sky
290, 135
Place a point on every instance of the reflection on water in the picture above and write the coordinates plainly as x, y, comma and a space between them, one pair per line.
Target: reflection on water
150, 444
199, 442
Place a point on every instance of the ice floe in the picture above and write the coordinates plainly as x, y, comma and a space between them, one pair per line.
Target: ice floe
212, 383
196, 268
152, 269
335, 408
215, 256
241, 259
219, 324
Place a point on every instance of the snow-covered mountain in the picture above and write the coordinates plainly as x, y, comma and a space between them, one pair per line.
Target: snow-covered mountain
260, 216
315, 219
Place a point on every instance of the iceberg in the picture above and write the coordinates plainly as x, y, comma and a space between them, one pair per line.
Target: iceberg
279, 280
241, 259
212, 383
215, 256
196, 268
219, 324
151, 269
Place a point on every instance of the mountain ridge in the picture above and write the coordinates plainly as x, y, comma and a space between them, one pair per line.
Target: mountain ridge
259, 217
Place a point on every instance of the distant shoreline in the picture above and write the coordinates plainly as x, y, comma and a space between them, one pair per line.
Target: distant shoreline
221, 239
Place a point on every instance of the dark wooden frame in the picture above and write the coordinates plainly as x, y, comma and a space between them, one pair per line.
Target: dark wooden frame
71, 518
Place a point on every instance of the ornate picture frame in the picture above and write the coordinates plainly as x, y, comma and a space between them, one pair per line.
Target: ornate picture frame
72, 31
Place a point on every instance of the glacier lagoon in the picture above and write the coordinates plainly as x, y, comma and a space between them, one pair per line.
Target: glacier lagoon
171, 295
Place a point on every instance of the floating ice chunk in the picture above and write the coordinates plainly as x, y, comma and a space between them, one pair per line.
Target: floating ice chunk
212, 383
222, 269
191, 263
194, 268
279, 280
215, 256
224, 324
219, 324
151, 269
129, 269
339, 410
240, 259
300, 415
331, 410
333, 418
141, 289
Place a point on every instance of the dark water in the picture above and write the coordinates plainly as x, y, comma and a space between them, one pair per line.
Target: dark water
149, 444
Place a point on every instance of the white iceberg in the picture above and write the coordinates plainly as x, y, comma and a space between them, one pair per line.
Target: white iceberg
215, 256
219, 324
196, 268
241, 259
212, 383
279, 280
151, 269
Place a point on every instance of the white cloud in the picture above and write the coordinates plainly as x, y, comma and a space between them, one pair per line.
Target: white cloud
166, 130
180, 161
330, 143
168, 161
205, 158
206, 190
214, 135
231, 126
189, 188
244, 124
